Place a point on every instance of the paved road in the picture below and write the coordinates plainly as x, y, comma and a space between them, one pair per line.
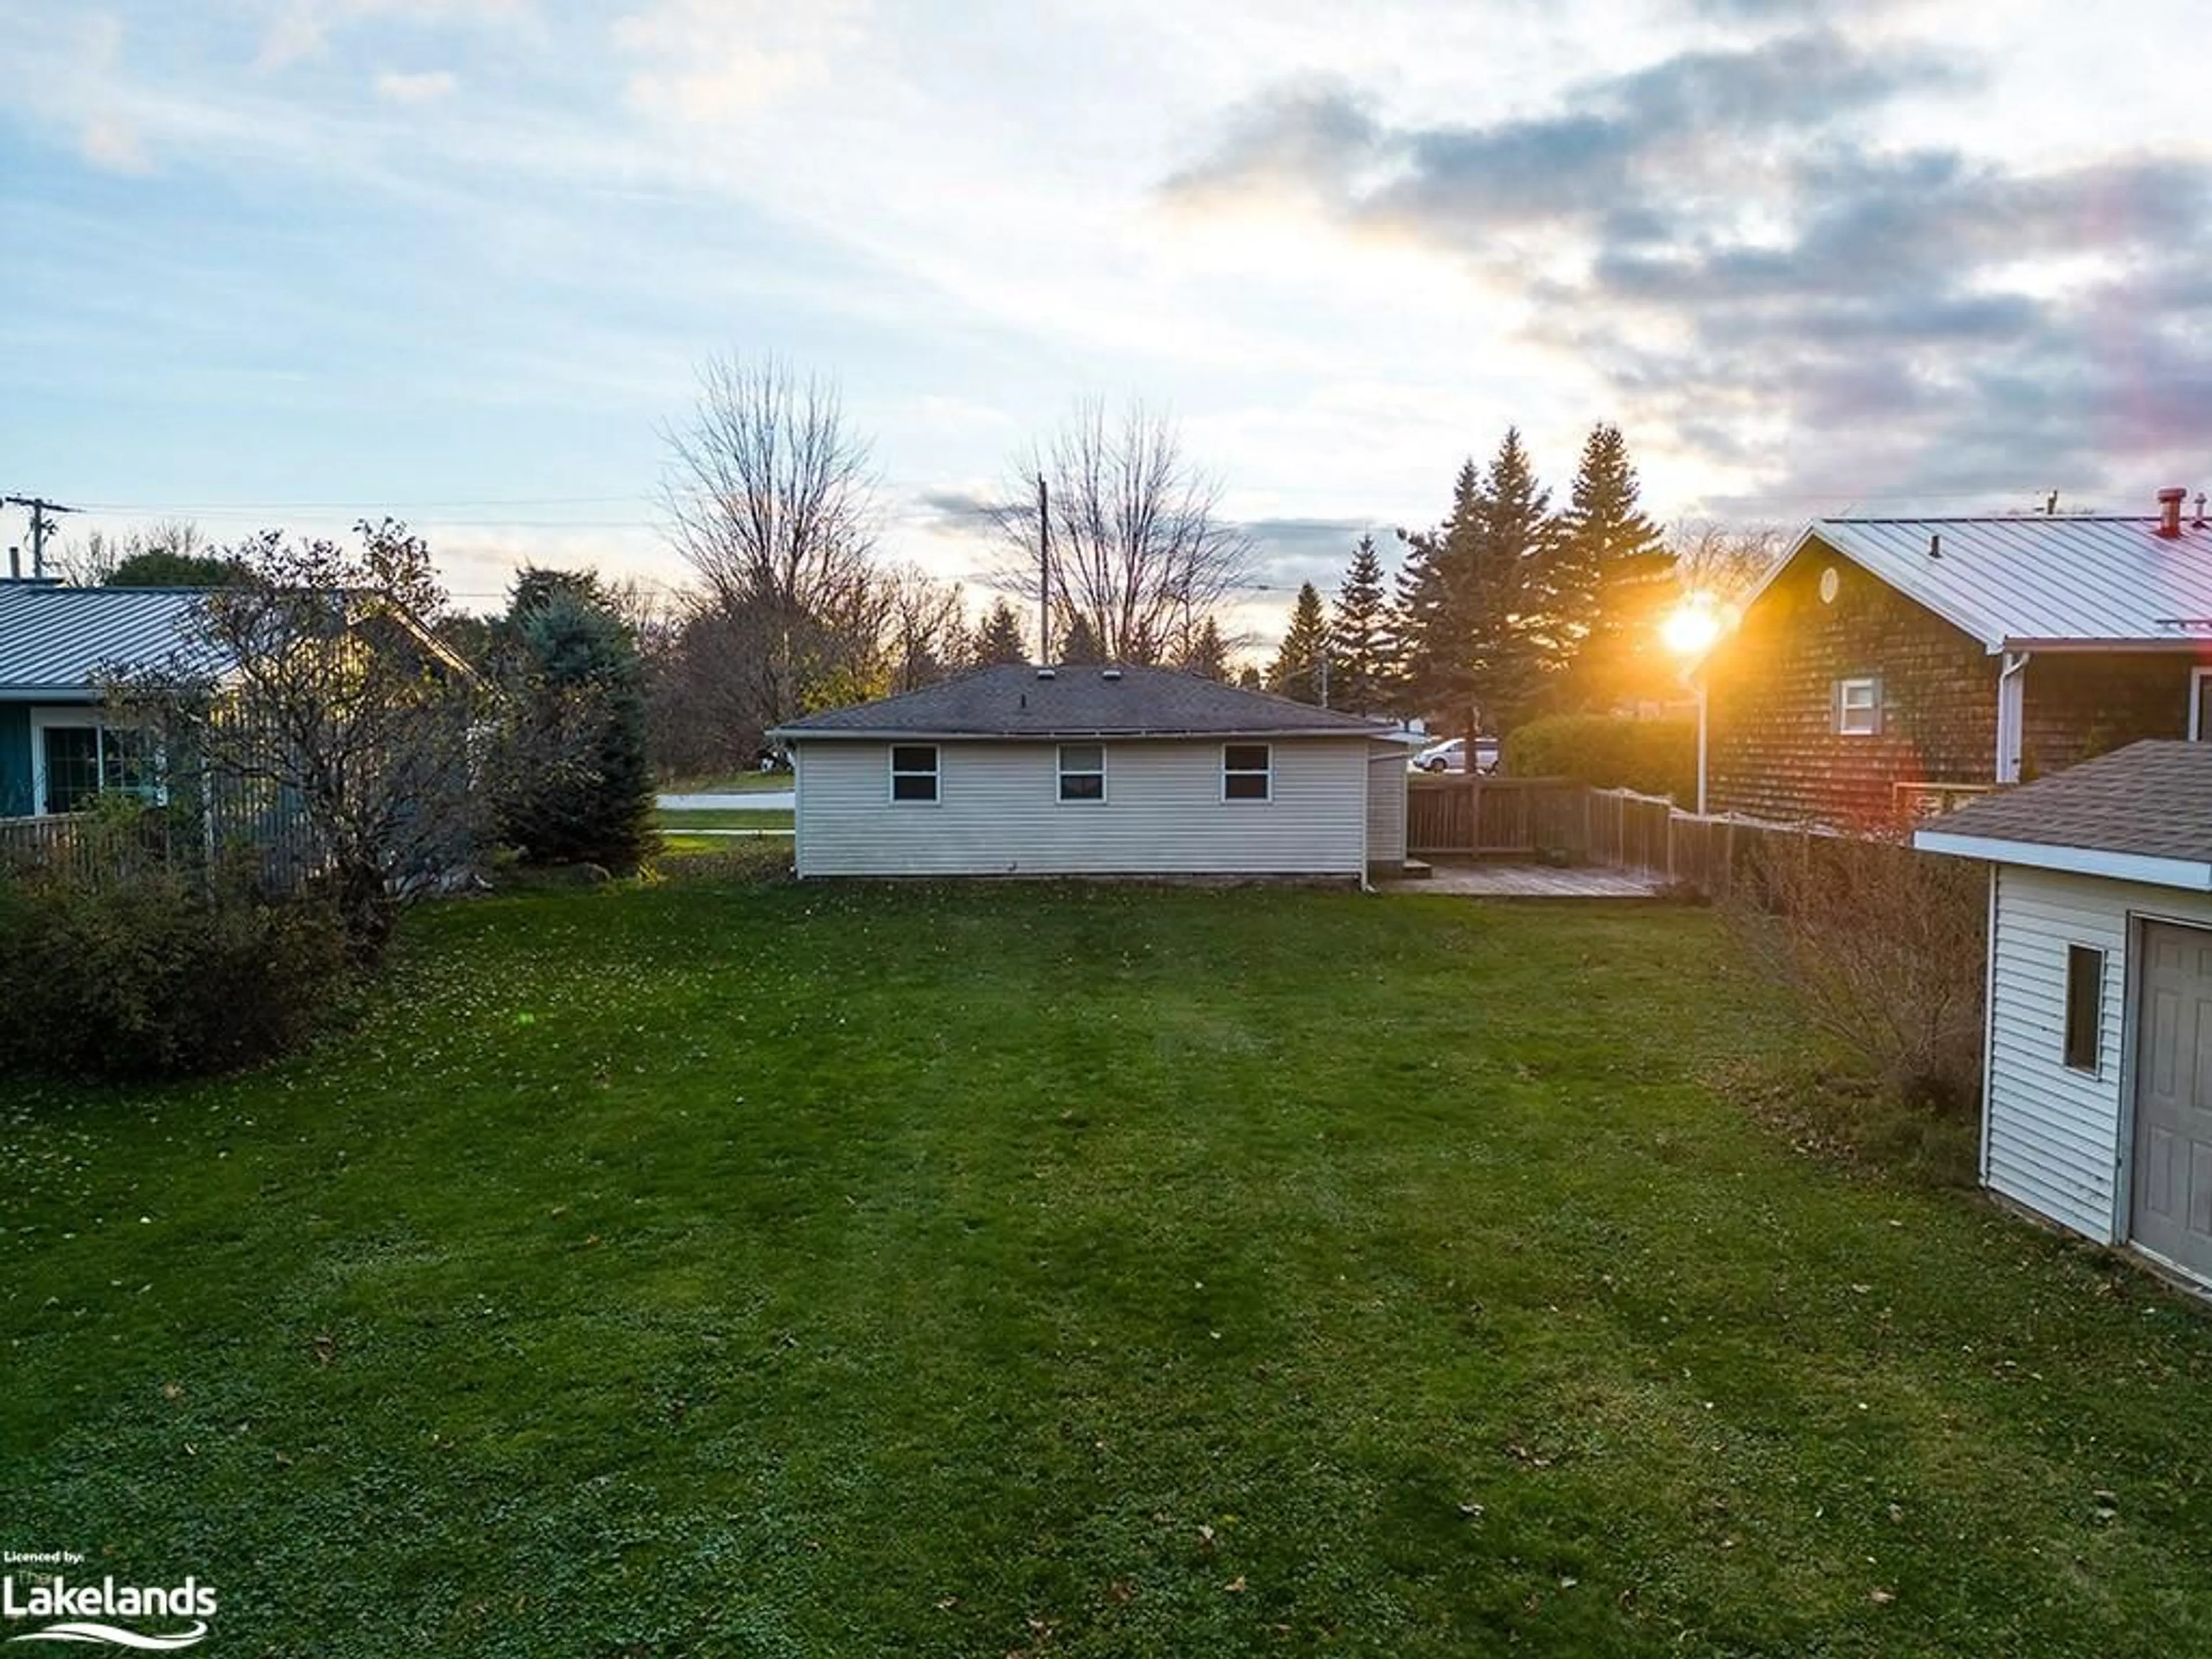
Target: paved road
780, 800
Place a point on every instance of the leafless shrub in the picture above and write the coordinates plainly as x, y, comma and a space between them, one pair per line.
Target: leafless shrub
1884, 947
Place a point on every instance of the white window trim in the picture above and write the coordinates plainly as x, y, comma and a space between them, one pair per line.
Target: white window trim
2095, 1068
2196, 679
892, 775
82, 717
1843, 710
1268, 772
1061, 769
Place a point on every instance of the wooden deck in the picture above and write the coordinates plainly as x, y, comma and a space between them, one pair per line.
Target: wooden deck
1528, 881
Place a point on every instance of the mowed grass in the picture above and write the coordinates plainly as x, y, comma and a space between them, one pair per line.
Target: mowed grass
679, 819
786, 1269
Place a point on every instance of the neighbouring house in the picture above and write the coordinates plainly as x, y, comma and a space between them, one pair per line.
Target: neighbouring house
2098, 1089
57, 747
1888, 666
1021, 771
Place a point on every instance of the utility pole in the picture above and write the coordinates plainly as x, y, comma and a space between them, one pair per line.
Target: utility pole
42, 525
1044, 577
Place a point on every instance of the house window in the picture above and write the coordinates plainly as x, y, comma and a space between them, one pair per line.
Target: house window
80, 758
1083, 771
2200, 705
1858, 707
1247, 771
2084, 1006
913, 771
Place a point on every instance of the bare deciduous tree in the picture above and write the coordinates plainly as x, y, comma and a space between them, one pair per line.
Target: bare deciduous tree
1723, 560
314, 683
925, 632
1140, 554
770, 497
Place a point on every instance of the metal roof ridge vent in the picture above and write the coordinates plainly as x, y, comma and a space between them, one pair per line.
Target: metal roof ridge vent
2169, 512
1109, 673
1047, 672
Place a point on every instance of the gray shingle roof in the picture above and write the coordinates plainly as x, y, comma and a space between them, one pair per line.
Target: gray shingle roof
1016, 702
2152, 800
52, 640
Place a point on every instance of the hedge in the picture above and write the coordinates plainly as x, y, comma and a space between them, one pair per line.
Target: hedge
1609, 751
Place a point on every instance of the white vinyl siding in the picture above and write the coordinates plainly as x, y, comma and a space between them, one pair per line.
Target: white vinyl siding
998, 812
1386, 805
2053, 1133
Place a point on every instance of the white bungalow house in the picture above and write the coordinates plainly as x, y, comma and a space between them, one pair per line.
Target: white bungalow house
1090, 771
2098, 1094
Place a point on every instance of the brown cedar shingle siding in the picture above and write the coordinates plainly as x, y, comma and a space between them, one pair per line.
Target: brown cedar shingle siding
2079, 706
1772, 749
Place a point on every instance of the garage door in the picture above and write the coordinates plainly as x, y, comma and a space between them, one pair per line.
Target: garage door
2172, 1180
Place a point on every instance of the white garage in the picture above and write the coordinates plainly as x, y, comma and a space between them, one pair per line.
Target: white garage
2097, 1107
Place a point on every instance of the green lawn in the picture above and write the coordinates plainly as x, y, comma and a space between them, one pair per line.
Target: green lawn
788, 1269
733, 818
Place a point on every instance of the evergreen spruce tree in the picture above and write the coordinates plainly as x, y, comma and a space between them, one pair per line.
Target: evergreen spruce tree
1208, 655
1078, 645
1301, 668
1248, 678
1359, 635
579, 785
1616, 576
1429, 619
1504, 606
997, 641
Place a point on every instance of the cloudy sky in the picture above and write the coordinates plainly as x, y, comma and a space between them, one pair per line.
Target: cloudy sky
292, 261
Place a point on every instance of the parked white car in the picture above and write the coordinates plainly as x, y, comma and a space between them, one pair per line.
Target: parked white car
1450, 756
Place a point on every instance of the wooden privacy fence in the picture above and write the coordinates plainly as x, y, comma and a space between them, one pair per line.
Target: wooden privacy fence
1618, 829
1490, 818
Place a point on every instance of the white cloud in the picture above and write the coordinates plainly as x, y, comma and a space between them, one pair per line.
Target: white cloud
110, 142
418, 88
705, 60
301, 29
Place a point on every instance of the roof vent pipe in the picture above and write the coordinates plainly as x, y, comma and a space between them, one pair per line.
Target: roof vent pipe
2169, 512
2199, 525
1934, 544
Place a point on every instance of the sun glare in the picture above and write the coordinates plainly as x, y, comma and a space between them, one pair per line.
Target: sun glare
1690, 627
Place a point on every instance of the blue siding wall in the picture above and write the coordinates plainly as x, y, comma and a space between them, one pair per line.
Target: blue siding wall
14, 760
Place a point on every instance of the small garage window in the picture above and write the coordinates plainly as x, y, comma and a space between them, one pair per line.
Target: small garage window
913, 771
1083, 771
1247, 771
2084, 1006
1858, 707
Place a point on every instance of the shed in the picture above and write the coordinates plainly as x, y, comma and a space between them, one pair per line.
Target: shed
2097, 1107
1094, 771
